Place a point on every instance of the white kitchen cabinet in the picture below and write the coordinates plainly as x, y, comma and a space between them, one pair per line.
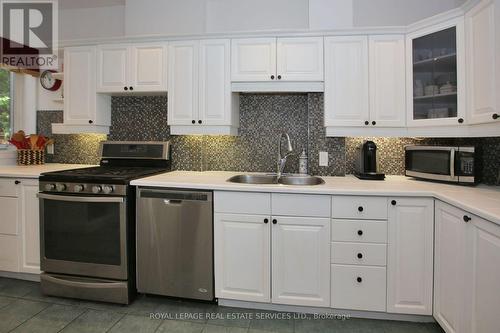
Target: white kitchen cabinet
481, 28
482, 302
129, 68
387, 80
435, 65
9, 224
85, 111
183, 82
449, 267
30, 227
113, 62
410, 255
277, 59
253, 59
346, 81
242, 257
301, 273
299, 59
200, 99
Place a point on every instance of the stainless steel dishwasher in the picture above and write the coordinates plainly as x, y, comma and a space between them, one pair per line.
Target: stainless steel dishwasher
175, 243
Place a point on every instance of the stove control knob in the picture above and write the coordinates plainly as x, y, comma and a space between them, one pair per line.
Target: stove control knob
96, 189
107, 189
78, 188
50, 187
60, 187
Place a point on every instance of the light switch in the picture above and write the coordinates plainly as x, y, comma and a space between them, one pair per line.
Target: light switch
323, 158
50, 149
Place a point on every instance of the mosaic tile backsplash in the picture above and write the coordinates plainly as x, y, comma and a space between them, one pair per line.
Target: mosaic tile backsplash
262, 118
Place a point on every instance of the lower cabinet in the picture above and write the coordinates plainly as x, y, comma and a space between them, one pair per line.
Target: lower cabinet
242, 257
19, 226
301, 261
410, 255
467, 271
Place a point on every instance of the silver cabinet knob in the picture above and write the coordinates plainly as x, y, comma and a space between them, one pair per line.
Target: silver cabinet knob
96, 189
107, 189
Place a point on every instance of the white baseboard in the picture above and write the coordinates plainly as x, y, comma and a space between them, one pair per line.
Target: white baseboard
312, 310
21, 276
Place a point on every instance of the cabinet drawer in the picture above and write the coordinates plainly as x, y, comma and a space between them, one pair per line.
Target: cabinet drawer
365, 231
358, 287
242, 202
8, 188
359, 207
10, 216
301, 205
358, 254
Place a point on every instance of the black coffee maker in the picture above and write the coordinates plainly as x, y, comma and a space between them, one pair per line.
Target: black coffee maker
367, 166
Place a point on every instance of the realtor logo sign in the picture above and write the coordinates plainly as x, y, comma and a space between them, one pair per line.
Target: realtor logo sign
29, 33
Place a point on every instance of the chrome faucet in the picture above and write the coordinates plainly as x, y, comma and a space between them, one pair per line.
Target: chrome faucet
282, 159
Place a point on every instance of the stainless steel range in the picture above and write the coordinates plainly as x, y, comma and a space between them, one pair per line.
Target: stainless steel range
87, 223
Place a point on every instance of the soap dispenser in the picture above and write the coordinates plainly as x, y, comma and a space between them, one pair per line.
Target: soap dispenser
303, 162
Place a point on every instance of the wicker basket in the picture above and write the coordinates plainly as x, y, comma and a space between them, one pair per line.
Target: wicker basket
30, 157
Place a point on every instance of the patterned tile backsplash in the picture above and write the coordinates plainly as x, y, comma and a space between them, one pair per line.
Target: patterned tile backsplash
262, 118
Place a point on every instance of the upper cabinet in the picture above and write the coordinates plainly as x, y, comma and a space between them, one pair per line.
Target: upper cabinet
346, 81
132, 68
297, 62
200, 99
483, 63
435, 64
364, 81
85, 111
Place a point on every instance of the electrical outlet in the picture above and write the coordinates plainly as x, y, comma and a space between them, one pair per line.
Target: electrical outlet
50, 149
323, 158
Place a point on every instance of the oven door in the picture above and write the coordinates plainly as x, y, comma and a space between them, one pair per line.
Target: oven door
83, 235
431, 162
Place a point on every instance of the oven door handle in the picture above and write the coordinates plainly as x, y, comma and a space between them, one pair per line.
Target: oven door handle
79, 199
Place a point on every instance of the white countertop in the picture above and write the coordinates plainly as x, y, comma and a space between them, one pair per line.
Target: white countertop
34, 171
482, 200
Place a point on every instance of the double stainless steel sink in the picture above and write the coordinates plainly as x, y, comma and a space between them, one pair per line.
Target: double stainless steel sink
263, 179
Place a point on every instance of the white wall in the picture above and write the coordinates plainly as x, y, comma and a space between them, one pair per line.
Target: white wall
256, 15
114, 18
97, 22
169, 17
397, 12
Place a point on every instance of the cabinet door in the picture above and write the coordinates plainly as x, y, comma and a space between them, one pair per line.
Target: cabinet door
148, 67
435, 64
30, 225
482, 89
387, 81
300, 59
483, 298
242, 257
301, 274
253, 59
80, 85
112, 68
183, 83
215, 82
410, 255
346, 81
449, 267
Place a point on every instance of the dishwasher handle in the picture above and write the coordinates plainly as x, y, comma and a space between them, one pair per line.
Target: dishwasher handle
176, 197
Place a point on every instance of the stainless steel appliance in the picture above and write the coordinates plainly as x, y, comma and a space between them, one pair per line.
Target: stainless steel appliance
175, 243
87, 223
366, 162
449, 164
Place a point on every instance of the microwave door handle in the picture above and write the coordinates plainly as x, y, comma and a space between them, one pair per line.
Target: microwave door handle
452, 163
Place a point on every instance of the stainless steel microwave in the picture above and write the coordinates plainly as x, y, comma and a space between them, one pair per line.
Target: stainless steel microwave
448, 164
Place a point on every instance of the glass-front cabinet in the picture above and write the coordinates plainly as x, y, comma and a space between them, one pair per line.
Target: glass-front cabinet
435, 80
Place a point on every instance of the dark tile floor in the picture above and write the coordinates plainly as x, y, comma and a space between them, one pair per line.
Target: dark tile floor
24, 309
